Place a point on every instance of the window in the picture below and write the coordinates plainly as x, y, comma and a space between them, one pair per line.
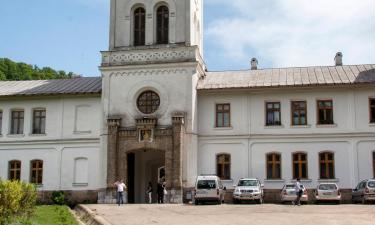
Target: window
17, 122
300, 166
273, 114
325, 112
14, 170
372, 110
81, 171
299, 113
327, 165
273, 166
1, 122
39, 121
223, 166
148, 102
36, 173
139, 26
223, 115
162, 23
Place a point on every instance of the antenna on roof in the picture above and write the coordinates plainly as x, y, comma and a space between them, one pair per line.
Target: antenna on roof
338, 59
254, 64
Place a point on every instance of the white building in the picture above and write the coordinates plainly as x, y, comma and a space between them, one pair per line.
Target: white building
162, 114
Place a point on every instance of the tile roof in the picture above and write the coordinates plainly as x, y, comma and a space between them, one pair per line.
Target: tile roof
81, 85
284, 77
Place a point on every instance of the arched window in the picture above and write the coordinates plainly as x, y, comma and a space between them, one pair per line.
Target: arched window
162, 25
327, 165
36, 172
139, 26
223, 166
273, 166
300, 166
14, 170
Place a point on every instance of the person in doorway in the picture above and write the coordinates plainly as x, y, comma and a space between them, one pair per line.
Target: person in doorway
299, 191
149, 192
120, 191
160, 191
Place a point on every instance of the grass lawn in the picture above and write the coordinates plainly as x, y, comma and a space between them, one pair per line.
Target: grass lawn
56, 215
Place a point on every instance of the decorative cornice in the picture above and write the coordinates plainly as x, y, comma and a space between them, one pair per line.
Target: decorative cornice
149, 56
147, 72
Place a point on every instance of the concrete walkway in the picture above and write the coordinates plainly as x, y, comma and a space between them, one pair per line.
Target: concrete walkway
266, 214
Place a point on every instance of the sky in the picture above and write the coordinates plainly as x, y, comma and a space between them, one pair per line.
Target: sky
69, 35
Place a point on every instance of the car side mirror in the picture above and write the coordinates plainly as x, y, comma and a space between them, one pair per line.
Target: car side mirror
234, 186
355, 189
262, 185
225, 188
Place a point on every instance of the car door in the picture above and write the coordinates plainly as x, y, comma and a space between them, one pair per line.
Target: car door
356, 192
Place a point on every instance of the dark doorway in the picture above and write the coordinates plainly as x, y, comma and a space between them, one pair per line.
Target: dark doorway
131, 174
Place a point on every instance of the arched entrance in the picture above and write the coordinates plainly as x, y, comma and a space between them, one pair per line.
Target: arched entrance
144, 166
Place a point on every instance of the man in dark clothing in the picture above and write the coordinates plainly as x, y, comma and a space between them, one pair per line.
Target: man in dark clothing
160, 190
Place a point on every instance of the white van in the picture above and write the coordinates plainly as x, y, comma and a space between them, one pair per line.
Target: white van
209, 189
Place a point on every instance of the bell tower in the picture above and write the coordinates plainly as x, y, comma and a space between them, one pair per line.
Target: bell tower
136, 23
149, 97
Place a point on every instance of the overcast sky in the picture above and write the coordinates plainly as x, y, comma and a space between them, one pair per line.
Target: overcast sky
69, 34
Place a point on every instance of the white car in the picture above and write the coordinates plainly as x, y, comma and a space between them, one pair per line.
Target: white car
209, 189
328, 192
288, 193
248, 189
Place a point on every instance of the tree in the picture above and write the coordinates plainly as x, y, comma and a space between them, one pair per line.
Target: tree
10, 70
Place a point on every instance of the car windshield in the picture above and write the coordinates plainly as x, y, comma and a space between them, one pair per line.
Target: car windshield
289, 186
371, 184
243, 183
206, 184
326, 187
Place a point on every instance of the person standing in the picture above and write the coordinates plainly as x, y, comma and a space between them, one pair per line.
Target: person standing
299, 191
160, 191
149, 192
120, 191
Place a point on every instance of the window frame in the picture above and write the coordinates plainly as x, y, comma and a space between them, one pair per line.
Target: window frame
148, 109
272, 110
223, 111
19, 131
371, 117
139, 33
42, 130
38, 171
223, 177
164, 32
318, 108
293, 109
274, 163
326, 163
300, 163
13, 171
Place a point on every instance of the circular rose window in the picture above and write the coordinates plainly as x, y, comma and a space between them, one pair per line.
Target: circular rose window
148, 102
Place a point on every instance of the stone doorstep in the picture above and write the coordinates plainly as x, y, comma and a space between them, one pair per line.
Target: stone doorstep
89, 217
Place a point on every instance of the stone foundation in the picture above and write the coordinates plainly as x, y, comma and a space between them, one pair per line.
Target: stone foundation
71, 197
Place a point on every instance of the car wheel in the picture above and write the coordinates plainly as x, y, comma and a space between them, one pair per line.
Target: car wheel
364, 200
196, 202
338, 202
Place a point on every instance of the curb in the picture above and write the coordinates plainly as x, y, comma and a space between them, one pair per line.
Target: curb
89, 217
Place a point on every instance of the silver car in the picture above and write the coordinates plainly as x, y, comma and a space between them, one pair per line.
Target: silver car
328, 192
364, 192
288, 193
248, 189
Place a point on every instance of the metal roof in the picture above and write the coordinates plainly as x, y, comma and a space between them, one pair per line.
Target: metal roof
81, 85
284, 77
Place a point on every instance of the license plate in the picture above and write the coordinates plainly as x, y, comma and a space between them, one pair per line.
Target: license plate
327, 193
201, 192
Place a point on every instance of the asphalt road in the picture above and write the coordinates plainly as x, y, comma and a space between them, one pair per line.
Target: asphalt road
266, 214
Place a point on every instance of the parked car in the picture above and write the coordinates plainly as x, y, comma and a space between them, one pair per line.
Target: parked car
328, 192
209, 189
288, 193
364, 192
248, 189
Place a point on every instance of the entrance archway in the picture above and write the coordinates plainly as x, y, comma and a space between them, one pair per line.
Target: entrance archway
144, 166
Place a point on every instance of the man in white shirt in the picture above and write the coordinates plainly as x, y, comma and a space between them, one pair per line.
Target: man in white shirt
298, 190
120, 191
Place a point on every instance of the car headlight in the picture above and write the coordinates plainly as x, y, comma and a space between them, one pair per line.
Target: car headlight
237, 191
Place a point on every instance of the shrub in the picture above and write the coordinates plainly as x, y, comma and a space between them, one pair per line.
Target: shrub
17, 201
58, 197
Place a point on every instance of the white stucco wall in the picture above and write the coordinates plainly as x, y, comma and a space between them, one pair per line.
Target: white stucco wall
72, 131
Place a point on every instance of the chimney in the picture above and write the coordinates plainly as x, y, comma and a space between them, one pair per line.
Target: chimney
254, 64
338, 59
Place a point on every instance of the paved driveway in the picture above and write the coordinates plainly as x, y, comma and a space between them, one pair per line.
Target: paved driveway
266, 214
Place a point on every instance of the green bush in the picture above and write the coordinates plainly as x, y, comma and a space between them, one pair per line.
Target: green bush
58, 197
17, 201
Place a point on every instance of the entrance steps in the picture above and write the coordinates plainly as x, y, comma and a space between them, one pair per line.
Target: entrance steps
109, 196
